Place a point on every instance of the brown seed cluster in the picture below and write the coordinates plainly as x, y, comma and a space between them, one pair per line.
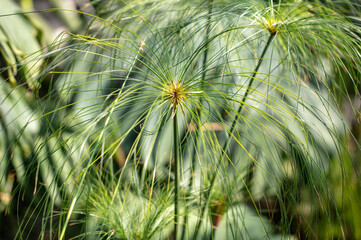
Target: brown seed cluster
176, 94
272, 25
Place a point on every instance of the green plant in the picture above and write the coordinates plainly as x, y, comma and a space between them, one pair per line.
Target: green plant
198, 120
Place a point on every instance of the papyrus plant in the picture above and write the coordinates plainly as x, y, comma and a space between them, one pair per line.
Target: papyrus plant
200, 120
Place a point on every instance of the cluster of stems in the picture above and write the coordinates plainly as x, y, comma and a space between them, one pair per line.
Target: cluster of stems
207, 193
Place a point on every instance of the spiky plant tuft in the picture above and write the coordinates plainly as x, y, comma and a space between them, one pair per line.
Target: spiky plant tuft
178, 95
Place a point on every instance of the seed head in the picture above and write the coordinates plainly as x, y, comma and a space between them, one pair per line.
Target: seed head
178, 95
272, 25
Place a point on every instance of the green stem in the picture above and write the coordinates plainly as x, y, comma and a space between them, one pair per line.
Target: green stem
176, 181
227, 143
78, 192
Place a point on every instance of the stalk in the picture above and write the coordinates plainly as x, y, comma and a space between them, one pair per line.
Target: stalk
198, 112
78, 192
176, 181
228, 141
